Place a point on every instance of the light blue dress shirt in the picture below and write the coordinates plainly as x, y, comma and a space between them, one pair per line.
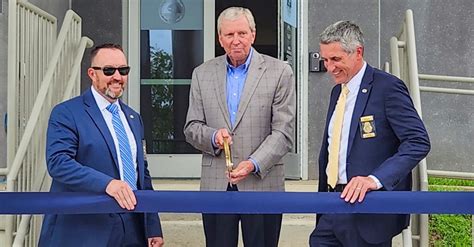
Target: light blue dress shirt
236, 77
235, 84
102, 103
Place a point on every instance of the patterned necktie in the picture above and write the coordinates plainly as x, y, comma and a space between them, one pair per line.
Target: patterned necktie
333, 164
124, 147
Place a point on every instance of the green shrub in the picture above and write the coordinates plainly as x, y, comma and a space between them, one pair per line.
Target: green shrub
445, 229
450, 230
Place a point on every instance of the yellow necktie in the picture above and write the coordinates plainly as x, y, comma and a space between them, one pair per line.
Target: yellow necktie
333, 164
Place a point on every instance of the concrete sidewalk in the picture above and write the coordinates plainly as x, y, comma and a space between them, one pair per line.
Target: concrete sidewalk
183, 230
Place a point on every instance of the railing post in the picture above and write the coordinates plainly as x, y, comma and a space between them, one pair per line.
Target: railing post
12, 85
395, 68
12, 88
415, 93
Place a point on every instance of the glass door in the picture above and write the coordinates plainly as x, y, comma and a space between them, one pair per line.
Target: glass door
170, 42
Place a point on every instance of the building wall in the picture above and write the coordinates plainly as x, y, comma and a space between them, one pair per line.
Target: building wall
444, 35
102, 22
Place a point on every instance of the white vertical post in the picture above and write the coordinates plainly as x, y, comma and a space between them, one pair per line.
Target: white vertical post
415, 93
303, 88
395, 69
134, 53
12, 117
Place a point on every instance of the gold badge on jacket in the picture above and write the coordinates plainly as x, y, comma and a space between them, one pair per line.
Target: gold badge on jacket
367, 126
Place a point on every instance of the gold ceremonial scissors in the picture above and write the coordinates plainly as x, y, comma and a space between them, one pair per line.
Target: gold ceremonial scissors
228, 158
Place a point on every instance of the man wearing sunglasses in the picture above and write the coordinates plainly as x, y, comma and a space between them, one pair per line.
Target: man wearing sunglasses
94, 144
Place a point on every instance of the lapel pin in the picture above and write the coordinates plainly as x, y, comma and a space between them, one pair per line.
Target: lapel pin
364, 90
131, 116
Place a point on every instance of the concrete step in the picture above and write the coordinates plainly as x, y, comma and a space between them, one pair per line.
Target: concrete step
294, 232
188, 231
2, 237
2, 222
193, 184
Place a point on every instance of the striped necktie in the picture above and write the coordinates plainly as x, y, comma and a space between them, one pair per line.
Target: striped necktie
333, 164
124, 147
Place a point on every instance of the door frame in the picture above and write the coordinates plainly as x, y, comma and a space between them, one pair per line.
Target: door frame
189, 165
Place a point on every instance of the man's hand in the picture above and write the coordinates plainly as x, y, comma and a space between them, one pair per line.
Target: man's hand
122, 193
155, 242
219, 138
241, 172
357, 188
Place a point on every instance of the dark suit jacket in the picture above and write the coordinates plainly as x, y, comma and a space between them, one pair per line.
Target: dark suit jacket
401, 142
81, 157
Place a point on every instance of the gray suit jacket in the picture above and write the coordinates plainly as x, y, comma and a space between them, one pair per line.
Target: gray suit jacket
264, 125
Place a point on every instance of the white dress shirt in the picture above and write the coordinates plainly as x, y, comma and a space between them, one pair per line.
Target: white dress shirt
102, 103
353, 85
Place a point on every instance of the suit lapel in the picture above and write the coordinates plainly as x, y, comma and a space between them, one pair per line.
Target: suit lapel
256, 69
93, 110
361, 103
221, 88
332, 105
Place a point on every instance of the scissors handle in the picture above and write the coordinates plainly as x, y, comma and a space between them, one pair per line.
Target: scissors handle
228, 158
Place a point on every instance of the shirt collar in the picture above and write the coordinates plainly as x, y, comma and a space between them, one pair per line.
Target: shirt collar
102, 103
244, 66
354, 84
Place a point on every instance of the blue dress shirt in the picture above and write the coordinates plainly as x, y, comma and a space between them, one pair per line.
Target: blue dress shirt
235, 84
236, 77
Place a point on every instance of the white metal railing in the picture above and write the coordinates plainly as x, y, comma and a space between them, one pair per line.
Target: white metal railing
72, 88
405, 66
48, 72
30, 30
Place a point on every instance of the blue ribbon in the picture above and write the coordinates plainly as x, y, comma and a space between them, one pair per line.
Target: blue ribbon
239, 202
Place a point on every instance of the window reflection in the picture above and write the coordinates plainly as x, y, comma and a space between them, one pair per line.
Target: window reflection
168, 58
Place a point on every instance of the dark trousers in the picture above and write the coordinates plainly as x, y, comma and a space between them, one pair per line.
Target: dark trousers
339, 230
259, 230
128, 231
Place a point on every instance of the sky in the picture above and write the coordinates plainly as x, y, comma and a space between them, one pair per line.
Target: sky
161, 39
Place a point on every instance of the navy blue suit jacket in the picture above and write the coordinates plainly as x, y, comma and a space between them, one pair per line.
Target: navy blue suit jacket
401, 142
81, 156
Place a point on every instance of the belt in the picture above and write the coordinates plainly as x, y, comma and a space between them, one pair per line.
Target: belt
339, 188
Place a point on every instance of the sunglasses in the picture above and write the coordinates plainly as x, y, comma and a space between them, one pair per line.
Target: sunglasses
108, 71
